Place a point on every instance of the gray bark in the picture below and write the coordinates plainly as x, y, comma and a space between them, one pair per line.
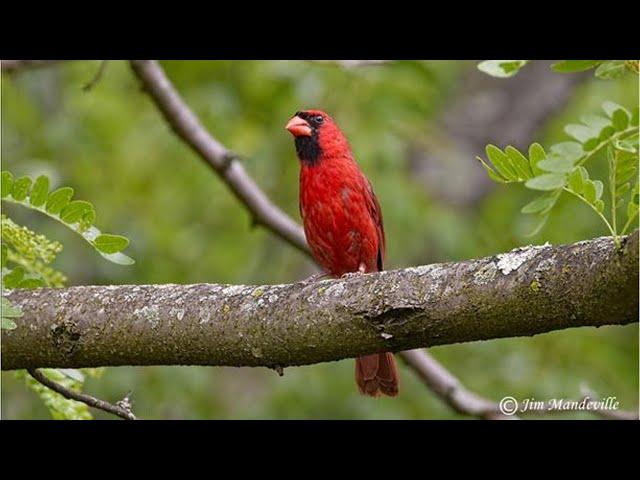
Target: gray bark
527, 291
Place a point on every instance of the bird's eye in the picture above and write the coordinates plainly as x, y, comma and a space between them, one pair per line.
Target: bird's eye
319, 119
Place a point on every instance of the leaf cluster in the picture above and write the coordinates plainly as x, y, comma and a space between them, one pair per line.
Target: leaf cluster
562, 168
604, 69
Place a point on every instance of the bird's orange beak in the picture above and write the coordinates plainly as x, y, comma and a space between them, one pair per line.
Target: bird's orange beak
298, 127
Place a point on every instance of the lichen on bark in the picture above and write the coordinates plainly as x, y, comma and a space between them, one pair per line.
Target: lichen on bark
524, 292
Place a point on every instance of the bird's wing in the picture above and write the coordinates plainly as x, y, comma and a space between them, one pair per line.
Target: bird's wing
376, 214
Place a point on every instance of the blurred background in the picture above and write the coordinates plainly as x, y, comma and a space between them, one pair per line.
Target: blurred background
415, 128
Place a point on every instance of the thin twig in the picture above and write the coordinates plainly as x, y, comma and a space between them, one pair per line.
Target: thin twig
122, 409
96, 78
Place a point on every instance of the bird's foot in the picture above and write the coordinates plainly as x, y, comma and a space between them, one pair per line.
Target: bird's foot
314, 278
362, 269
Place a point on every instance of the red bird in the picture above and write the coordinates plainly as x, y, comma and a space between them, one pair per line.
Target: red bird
342, 222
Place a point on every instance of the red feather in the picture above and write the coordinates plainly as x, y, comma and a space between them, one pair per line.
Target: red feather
342, 222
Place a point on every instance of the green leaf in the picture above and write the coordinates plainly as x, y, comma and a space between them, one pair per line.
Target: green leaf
634, 194
605, 133
14, 277
5, 254
59, 199
493, 175
20, 188
76, 215
622, 180
75, 211
634, 117
629, 144
31, 283
519, 162
590, 144
556, 164
596, 122
620, 120
622, 189
632, 209
536, 154
7, 324
589, 192
610, 107
576, 182
571, 150
39, 191
87, 219
501, 68
108, 243
501, 162
599, 204
547, 181
571, 66
9, 310
540, 226
611, 69
584, 174
599, 188
541, 204
119, 258
7, 183
581, 133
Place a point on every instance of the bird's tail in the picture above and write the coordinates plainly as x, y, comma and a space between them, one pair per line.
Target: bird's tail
377, 375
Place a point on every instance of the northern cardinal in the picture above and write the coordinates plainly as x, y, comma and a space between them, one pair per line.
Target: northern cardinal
342, 222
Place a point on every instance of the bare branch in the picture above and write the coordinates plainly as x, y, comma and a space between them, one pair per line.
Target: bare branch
187, 126
121, 409
524, 292
13, 66
452, 392
616, 414
608, 414
449, 388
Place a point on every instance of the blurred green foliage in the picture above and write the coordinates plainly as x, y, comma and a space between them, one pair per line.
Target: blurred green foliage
114, 148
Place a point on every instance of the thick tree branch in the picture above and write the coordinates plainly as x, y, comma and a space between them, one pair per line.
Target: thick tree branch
121, 409
527, 291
